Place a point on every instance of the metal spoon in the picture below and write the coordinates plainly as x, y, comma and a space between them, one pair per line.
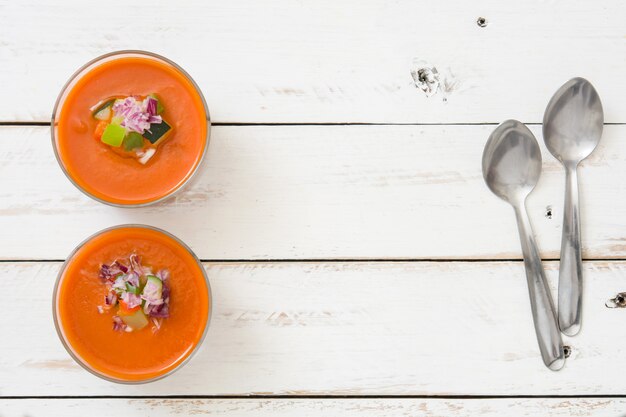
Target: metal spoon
511, 168
572, 127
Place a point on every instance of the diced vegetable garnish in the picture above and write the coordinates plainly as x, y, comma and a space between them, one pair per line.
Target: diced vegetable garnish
159, 108
125, 310
98, 108
113, 135
145, 157
133, 124
135, 321
153, 290
132, 289
102, 124
138, 115
119, 285
104, 114
135, 295
110, 299
132, 141
157, 131
118, 324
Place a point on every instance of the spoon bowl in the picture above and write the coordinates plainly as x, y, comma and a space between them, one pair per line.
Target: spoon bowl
511, 162
573, 121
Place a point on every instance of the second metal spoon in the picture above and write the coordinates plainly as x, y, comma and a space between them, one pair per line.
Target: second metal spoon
572, 127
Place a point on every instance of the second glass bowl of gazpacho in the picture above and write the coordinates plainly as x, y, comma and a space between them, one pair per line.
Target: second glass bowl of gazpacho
130, 128
132, 304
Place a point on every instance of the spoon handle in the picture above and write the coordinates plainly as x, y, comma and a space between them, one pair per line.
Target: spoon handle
571, 265
544, 316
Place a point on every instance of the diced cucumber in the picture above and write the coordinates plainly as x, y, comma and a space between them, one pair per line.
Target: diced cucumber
156, 283
136, 321
157, 131
104, 114
103, 105
113, 135
117, 120
160, 107
132, 141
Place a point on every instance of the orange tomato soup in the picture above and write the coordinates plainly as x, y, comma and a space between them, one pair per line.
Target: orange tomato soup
102, 173
138, 355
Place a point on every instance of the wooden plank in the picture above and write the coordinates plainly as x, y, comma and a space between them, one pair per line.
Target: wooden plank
322, 192
595, 407
328, 61
400, 328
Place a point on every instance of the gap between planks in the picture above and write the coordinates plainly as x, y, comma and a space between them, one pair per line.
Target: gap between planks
345, 260
310, 397
6, 123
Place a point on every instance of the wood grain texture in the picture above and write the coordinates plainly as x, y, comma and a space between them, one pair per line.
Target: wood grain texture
588, 407
400, 328
322, 192
328, 61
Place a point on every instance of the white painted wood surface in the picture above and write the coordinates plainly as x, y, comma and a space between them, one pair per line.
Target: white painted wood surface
326, 60
322, 192
305, 191
347, 328
596, 407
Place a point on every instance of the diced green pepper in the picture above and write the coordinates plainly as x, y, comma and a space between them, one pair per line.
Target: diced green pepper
132, 289
157, 131
160, 107
136, 321
113, 135
132, 141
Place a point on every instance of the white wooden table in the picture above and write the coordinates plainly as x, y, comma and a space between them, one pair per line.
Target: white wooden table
360, 267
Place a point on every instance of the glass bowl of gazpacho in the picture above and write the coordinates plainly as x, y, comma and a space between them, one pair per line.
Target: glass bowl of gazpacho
130, 128
132, 304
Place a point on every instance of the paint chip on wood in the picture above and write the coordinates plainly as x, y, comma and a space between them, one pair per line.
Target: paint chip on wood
428, 79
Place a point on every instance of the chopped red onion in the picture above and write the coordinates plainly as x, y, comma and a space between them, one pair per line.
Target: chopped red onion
131, 300
157, 324
132, 278
110, 299
121, 266
163, 274
159, 311
137, 115
118, 324
151, 106
119, 284
135, 262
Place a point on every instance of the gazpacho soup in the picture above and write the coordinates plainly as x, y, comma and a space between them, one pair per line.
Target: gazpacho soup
130, 128
132, 303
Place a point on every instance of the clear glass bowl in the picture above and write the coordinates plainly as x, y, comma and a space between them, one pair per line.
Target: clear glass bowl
86, 69
84, 363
